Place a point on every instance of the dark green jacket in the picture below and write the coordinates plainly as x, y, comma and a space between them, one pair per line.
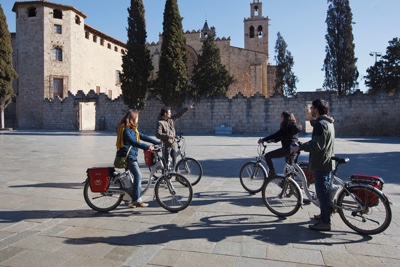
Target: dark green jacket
321, 145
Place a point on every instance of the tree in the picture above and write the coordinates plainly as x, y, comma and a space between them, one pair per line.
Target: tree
210, 76
136, 63
171, 83
285, 79
7, 72
341, 72
384, 76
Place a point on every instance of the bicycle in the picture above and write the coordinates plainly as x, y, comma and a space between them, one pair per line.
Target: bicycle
188, 167
171, 190
362, 207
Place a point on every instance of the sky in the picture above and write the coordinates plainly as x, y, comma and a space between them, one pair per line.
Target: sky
300, 23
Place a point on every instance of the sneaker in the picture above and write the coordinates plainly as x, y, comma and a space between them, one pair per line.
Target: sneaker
132, 205
141, 204
320, 226
317, 217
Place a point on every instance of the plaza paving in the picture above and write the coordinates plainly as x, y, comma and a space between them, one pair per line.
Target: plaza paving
44, 220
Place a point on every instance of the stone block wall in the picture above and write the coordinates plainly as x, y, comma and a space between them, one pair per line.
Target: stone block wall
357, 114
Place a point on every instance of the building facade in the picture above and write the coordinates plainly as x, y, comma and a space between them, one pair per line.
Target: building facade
56, 54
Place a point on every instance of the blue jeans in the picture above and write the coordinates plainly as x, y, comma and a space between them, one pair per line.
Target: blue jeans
322, 183
133, 167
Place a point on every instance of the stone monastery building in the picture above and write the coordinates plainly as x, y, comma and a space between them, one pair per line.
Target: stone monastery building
55, 54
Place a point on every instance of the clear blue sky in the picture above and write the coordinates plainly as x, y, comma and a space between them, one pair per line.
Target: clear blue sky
301, 23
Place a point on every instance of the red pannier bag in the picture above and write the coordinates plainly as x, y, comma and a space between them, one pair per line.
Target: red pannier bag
149, 158
99, 177
309, 174
375, 181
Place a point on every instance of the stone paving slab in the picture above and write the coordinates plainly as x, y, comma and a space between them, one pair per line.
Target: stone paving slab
44, 220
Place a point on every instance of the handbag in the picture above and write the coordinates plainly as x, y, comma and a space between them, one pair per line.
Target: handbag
120, 162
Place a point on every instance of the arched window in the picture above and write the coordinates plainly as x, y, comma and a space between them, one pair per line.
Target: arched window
77, 20
57, 53
57, 14
32, 12
260, 32
256, 11
251, 32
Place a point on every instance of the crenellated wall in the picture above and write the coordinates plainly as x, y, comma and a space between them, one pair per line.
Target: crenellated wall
357, 114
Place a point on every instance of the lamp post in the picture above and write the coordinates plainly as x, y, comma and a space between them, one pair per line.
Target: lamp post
376, 54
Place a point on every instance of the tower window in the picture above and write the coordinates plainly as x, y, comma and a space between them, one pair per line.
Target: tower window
251, 32
95, 38
57, 14
58, 87
77, 20
57, 53
256, 11
260, 32
57, 28
32, 12
87, 35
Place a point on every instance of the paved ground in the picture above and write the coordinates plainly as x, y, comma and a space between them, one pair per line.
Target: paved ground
44, 220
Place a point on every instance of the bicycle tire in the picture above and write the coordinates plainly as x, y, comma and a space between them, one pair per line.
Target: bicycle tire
282, 196
103, 202
191, 169
375, 215
252, 176
173, 192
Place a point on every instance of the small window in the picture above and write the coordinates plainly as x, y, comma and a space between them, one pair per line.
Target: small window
109, 46
57, 28
251, 32
57, 14
117, 77
77, 20
58, 87
102, 42
95, 38
32, 12
116, 49
57, 53
123, 51
87, 35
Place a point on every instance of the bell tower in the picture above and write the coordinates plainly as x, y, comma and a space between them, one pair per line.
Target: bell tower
256, 29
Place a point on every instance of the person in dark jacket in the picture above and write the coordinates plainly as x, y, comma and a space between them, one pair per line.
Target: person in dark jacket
166, 130
321, 148
287, 134
129, 140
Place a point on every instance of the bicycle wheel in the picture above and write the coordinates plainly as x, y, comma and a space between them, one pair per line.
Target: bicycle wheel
191, 169
252, 177
282, 196
370, 214
106, 201
173, 192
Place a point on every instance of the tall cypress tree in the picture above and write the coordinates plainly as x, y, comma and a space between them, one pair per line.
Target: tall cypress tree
341, 72
171, 85
210, 76
285, 79
7, 72
136, 63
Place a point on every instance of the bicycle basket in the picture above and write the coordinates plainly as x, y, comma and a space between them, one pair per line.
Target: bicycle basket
375, 181
309, 174
149, 157
98, 178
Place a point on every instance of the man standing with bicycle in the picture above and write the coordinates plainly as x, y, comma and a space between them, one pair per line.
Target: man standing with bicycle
166, 130
321, 149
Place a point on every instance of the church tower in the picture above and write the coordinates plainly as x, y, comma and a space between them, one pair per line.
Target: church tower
256, 29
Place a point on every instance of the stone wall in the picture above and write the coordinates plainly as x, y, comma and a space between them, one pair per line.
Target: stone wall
358, 114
